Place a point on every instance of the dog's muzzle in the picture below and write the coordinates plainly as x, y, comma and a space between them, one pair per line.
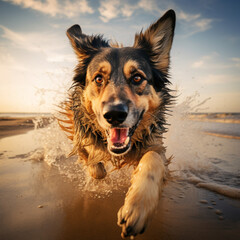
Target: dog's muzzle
119, 138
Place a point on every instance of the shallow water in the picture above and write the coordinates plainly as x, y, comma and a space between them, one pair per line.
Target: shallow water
230, 129
23, 115
196, 154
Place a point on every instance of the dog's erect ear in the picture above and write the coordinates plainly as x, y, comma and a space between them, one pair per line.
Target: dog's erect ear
85, 47
74, 32
157, 41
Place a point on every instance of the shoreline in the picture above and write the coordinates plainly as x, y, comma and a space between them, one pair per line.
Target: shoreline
14, 126
222, 135
11, 126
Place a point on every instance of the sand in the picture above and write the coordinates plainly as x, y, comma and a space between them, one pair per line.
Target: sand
37, 202
14, 126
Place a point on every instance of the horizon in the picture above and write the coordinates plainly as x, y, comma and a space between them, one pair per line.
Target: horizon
170, 114
37, 60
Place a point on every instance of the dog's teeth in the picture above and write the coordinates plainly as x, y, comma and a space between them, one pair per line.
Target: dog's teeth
127, 141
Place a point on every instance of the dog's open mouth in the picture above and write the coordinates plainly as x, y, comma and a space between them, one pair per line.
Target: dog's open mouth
118, 140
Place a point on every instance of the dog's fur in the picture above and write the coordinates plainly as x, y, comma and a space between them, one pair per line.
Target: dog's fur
116, 112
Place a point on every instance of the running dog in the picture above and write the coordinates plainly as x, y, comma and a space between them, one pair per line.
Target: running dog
116, 112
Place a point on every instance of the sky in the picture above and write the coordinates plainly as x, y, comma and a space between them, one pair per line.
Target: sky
37, 61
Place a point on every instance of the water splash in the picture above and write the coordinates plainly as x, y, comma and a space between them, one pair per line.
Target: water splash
182, 136
185, 140
54, 147
200, 156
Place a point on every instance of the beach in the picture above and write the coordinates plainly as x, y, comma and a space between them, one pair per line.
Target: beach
45, 195
14, 126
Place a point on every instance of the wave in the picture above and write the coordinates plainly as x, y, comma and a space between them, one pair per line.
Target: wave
228, 191
24, 115
222, 135
215, 117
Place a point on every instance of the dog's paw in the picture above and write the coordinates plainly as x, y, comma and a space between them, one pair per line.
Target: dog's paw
133, 218
97, 171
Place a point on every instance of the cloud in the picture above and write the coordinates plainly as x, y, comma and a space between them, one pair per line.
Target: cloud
25, 41
198, 64
191, 23
54, 57
148, 5
187, 17
51, 47
205, 61
203, 24
236, 62
213, 79
195, 21
110, 9
215, 61
55, 7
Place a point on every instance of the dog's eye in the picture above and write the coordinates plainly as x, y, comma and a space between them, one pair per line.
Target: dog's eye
137, 79
98, 79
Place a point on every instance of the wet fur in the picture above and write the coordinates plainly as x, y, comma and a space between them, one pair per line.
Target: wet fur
89, 138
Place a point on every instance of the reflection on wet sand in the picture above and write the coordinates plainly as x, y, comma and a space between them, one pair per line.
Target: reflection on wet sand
69, 213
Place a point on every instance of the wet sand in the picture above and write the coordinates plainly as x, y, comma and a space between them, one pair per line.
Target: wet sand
37, 202
10, 126
14, 126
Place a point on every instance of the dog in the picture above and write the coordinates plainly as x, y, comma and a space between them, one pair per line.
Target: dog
116, 112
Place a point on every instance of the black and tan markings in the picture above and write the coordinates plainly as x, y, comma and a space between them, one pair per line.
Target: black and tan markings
116, 112
121, 67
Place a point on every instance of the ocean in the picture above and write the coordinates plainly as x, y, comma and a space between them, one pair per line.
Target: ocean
23, 114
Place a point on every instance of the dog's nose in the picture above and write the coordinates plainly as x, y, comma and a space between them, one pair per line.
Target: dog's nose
115, 114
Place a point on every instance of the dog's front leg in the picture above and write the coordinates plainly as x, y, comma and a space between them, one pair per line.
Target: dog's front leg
143, 195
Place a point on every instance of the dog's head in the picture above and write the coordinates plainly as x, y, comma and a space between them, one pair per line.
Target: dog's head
121, 85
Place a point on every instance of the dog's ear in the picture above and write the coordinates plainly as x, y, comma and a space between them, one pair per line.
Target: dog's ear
85, 48
74, 32
157, 41
84, 45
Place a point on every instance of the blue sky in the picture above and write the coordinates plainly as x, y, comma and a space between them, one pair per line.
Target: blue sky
36, 60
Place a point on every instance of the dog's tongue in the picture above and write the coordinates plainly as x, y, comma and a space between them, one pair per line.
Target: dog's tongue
118, 135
